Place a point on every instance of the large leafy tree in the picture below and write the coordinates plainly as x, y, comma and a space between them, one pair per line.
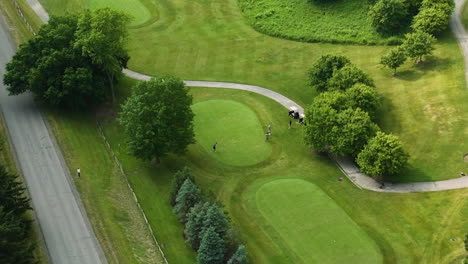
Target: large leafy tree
382, 156
157, 118
69, 62
363, 97
320, 119
101, 36
394, 59
212, 248
348, 76
418, 44
323, 70
389, 16
189, 195
433, 18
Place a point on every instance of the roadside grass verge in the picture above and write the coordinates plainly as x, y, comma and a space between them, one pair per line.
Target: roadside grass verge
18, 29
306, 20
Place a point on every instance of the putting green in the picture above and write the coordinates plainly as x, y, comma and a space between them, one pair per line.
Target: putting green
236, 128
312, 225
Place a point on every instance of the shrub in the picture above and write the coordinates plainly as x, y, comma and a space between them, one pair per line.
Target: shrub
382, 156
348, 76
389, 16
323, 70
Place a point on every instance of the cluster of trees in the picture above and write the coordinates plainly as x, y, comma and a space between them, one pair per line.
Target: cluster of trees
73, 61
16, 246
392, 16
416, 45
158, 119
207, 228
340, 119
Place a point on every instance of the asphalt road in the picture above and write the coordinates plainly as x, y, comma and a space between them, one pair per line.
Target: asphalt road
67, 233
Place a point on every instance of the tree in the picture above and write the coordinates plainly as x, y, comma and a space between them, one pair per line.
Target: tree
216, 219
363, 97
418, 44
394, 59
337, 100
157, 118
432, 19
101, 36
211, 249
12, 196
189, 194
69, 61
239, 257
15, 241
382, 156
389, 16
348, 76
351, 131
195, 223
177, 181
320, 120
323, 69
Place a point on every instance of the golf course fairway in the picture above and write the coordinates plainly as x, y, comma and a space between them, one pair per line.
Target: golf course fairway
312, 225
236, 129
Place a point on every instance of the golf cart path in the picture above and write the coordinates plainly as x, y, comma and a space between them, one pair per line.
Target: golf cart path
65, 230
344, 163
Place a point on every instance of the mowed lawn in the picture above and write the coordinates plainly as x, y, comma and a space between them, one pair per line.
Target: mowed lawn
313, 225
236, 129
210, 40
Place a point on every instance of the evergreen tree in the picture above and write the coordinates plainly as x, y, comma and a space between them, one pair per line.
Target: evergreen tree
212, 248
239, 257
177, 181
12, 196
15, 244
216, 219
194, 225
189, 194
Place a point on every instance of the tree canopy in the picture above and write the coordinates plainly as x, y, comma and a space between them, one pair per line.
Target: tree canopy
212, 248
389, 16
418, 44
189, 195
364, 97
394, 59
323, 70
71, 59
348, 76
382, 156
433, 18
158, 119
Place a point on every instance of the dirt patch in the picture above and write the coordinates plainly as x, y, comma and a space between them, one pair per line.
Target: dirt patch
465, 157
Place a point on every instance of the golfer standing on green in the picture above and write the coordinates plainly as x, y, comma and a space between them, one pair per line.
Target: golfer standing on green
214, 146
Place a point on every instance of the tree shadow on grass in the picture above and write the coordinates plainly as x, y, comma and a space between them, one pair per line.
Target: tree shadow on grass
410, 174
430, 64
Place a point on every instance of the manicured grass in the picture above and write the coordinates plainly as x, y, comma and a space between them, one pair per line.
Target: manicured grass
313, 225
306, 20
241, 140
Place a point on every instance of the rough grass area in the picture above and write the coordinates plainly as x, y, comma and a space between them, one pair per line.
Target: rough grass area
312, 225
241, 140
343, 21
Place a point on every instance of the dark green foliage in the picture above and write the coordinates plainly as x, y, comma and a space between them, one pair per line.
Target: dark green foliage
239, 257
320, 120
212, 248
466, 242
323, 70
433, 18
177, 181
12, 196
394, 59
382, 156
189, 194
348, 76
337, 100
68, 62
363, 97
389, 16
418, 44
195, 224
157, 118
216, 219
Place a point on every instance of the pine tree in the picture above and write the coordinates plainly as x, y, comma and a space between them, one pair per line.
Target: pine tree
216, 219
189, 194
239, 257
194, 225
177, 181
12, 196
212, 248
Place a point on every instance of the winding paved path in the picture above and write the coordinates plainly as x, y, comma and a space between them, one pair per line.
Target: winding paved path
65, 229
344, 163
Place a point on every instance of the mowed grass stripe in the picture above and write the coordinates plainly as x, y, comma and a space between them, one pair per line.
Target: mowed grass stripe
312, 225
236, 128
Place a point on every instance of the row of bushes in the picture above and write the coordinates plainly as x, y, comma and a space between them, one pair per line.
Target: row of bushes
340, 119
390, 17
15, 227
207, 228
